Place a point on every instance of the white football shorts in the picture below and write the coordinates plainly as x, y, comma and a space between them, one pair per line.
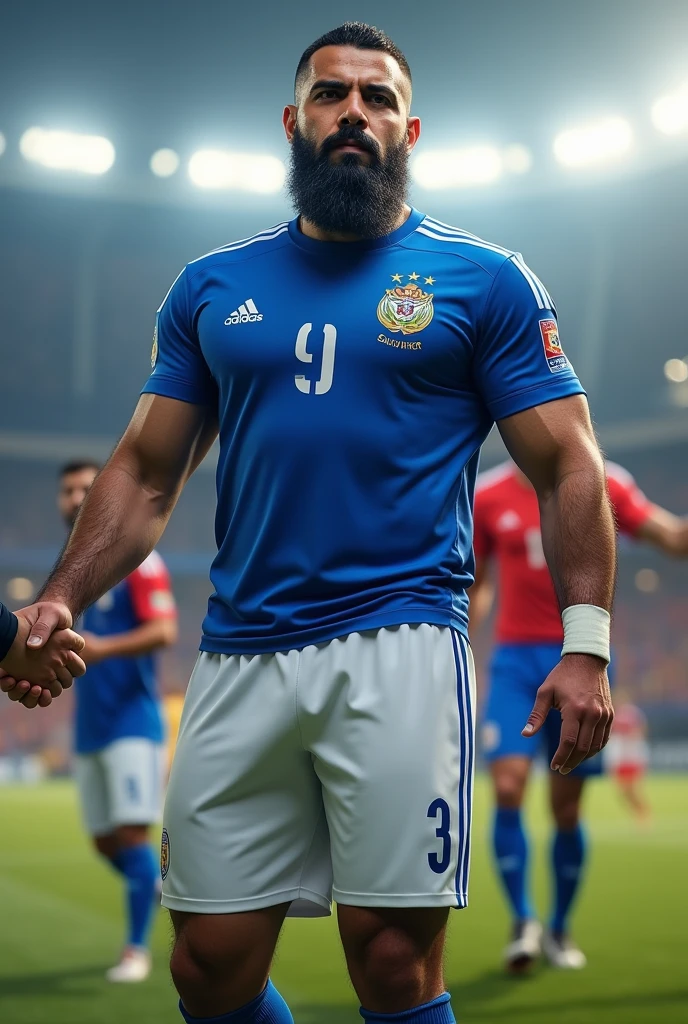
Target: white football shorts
343, 770
122, 784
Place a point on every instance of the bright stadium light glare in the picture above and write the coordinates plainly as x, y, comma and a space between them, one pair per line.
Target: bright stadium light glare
594, 143
67, 151
164, 163
3, 143
219, 169
517, 159
676, 370
647, 581
20, 589
458, 168
670, 112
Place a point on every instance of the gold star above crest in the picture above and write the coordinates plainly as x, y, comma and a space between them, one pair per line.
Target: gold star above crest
397, 278
414, 276
429, 280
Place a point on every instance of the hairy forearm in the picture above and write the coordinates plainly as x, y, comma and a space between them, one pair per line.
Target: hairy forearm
578, 533
120, 522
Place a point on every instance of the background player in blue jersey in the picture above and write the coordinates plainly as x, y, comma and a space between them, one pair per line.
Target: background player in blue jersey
353, 361
119, 737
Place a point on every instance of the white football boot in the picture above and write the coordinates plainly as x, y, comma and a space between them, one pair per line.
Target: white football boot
135, 965
562, 952
525, 946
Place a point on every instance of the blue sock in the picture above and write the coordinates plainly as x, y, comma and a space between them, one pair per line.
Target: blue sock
568, 857
267, 1008
510, 847
139, 866
439, 1011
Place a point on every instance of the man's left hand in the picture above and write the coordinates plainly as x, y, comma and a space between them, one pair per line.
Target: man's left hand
579, 688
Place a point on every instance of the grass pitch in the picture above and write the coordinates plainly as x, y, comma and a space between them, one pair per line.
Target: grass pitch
60, 926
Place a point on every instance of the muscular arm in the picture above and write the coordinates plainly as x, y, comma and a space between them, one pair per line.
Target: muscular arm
555, 447
131, 500
666, 531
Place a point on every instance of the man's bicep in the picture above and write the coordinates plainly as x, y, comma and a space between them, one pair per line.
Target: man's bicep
166, 440
547, 438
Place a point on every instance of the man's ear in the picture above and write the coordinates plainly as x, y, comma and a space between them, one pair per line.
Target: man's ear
289, 120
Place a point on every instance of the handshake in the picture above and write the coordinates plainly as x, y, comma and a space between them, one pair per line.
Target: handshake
44, 657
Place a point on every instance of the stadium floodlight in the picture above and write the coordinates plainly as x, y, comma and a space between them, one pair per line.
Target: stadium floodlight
220, 169
517, 159
3, 144
458, 168
670, 112
595, 143
20, 589
164, 163
67, 151
647, 581
676, 370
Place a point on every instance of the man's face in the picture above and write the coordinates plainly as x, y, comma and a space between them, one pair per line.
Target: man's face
346, 86
351, 136
73, 489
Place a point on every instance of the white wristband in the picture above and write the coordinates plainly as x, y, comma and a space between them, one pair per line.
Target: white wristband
586, 630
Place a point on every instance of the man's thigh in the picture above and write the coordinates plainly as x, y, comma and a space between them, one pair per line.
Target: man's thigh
91, 783
134, 769
515, 674
244, 823
388, 716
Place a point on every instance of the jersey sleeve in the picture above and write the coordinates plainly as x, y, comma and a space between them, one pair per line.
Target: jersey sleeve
519, 362
482, 535
150, 588
631, 507
179, 369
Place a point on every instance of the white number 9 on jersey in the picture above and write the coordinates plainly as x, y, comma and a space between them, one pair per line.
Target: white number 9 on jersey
323, 385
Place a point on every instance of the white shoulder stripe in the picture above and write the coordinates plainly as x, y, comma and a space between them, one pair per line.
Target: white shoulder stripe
159, 309
262, 236
538, 290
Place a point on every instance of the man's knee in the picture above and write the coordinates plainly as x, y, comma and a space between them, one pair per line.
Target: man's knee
510, 776
393, 964
221, 962
566, 798
394, 956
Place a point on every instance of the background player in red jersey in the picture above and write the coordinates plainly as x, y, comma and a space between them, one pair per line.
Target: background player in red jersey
627, 756
529, 637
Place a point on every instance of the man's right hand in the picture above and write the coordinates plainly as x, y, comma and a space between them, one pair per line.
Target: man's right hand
44, 658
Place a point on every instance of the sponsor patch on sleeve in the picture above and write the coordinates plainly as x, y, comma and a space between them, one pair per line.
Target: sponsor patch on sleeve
554, 354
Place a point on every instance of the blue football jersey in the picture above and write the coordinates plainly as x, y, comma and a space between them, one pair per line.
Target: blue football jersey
354, 385
118, 697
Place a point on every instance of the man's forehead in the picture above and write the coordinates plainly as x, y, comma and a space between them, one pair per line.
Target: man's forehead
350, 65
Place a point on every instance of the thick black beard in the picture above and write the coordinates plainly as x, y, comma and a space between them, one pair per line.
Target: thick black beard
348, 197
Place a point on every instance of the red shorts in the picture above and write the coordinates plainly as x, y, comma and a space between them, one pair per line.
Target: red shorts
630, 771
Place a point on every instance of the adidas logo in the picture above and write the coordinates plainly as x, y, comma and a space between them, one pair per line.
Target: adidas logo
245, 314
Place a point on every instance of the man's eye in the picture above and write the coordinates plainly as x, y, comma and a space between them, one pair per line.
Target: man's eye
326, 94
379, 100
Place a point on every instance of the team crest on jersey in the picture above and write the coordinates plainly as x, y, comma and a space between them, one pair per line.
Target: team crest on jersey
556, 360
406, 308
164, 854
154, 350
